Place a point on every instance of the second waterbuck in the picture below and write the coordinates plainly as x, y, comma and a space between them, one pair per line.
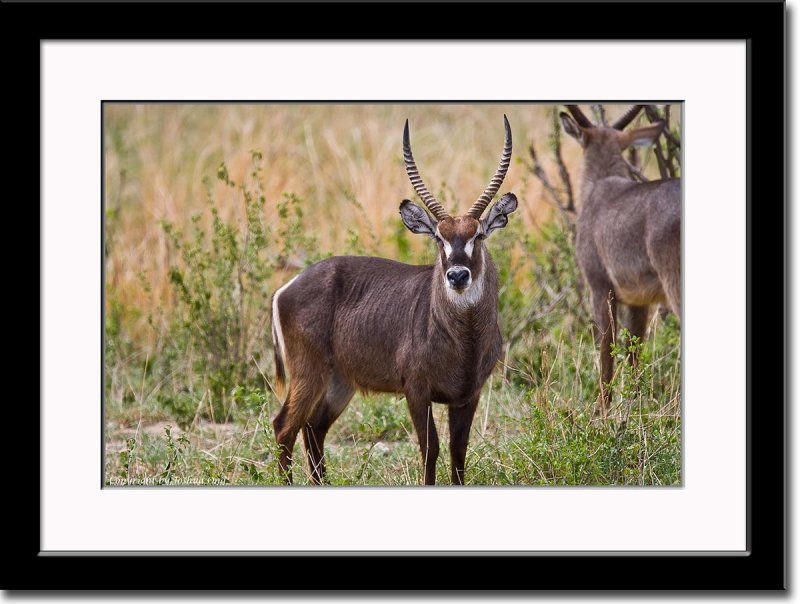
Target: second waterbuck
628, 238
372, 324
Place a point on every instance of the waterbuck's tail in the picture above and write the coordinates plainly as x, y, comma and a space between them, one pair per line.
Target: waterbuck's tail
280, 371
278, 344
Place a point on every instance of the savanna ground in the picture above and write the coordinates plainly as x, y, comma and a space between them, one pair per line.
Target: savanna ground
210, 208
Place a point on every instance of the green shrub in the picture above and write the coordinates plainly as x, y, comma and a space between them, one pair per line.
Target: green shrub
218, 337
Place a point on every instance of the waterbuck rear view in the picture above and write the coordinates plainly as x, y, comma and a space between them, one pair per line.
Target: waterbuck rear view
429, 332
628, 238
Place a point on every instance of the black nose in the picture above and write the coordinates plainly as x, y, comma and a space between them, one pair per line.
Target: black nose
458, 278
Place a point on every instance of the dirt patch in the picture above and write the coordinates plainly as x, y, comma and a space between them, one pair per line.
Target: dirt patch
116, 436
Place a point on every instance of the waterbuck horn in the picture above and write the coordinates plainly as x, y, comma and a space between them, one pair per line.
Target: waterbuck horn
627, 117
579, 116
416, 180
480, 205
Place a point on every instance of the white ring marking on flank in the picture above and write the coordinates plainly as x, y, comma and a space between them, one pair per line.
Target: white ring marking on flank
276, 319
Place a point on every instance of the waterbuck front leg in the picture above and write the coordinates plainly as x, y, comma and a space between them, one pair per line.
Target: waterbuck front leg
422, 417
336, 397
604, 310
460, 424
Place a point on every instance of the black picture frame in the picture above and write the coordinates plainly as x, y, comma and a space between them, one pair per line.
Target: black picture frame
762, 567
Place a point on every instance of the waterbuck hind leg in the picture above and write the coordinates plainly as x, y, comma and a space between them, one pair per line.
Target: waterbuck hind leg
336, 398
460, 419
637, 321
604, 310
672, 287
305, 390
422, 417
666, 259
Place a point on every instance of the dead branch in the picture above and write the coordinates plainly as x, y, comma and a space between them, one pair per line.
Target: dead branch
536, 168
562, 167
566, 208
534, 315
664, 169
673, 157
654, 116
633, 156
600, 114
636, 172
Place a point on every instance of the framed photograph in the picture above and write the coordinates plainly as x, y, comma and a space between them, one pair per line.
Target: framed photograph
370, 264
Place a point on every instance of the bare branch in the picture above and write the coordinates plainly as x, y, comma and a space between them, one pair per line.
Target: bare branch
600, 114
636, 172
562, 167
534, 314
673, 157
664, 169
536, 168
670, 147
654, 116
633, 156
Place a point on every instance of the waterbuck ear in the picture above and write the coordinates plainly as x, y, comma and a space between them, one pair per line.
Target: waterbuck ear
498, 214
416, 219
642, 137
571, 127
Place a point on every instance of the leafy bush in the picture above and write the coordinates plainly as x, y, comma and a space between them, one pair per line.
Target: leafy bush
218, 337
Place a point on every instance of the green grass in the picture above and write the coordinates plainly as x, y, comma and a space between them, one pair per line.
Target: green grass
530, 429
516, 440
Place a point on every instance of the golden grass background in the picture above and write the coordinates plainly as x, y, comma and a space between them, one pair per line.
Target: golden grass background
157, 156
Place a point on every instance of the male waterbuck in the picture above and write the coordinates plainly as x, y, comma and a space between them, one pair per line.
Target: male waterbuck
628, 237
429, 332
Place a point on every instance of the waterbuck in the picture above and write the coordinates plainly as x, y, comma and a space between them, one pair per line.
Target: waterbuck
428, 332
628, 237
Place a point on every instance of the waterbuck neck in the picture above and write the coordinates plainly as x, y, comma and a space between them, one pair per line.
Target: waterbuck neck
600, 160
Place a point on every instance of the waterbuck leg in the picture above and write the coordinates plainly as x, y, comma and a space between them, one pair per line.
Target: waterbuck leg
422, 418
460, 423
327, 411
304, 392
666, 259
604, 309
673, 290
638, 319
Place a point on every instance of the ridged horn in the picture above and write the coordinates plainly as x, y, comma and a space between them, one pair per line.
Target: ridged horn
627, 117
579, 116
505, 160
416, 180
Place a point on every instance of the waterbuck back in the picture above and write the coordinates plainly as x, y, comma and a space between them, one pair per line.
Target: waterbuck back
628, 238
429, 332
